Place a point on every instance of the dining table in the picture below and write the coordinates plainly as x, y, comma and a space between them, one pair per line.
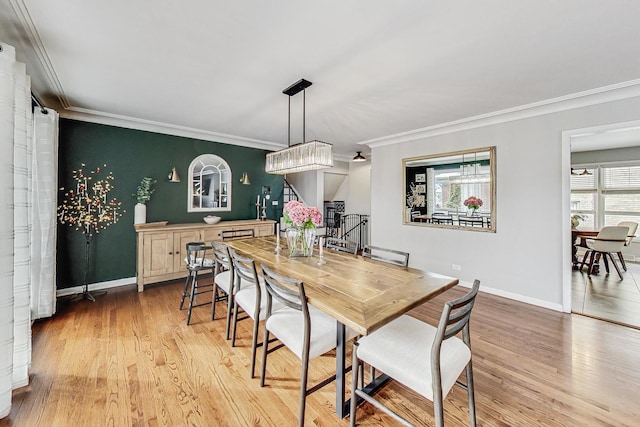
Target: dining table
359, 293
582, 235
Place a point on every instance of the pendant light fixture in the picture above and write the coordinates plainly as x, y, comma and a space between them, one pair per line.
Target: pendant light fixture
359, 157
299, 157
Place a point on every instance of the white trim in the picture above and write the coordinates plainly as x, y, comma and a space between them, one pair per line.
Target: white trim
515, 297
96, 286
586, 98
87, 115
22, 14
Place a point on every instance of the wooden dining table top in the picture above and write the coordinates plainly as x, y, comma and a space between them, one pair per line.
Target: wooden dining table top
360, 293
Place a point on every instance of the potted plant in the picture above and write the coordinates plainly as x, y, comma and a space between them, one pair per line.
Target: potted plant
143, 195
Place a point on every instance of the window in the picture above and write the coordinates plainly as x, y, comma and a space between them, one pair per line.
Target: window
609, 195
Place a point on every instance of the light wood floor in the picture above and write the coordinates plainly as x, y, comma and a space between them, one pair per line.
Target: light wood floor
130, 359
605, 296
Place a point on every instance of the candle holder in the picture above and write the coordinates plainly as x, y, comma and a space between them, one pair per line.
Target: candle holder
321, 260
278, 248
264, 213
258, 210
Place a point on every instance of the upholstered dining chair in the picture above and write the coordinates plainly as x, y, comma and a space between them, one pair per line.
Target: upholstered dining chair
251, 299
387, 255
610, 240
302, 328
424, 358
633, 227
223, 283
341, 245
197, 262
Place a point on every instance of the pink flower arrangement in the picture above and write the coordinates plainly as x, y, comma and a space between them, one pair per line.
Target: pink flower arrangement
473, 202
300, 215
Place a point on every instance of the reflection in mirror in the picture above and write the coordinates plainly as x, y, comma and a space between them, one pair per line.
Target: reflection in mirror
209, 184
451, 190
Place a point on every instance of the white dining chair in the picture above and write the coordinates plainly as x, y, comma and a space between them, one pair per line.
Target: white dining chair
224, 286
250, 296
610, 240
303, 329
425, 359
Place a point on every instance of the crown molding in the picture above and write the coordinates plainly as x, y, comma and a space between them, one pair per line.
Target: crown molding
41, 55
595, 96
87, 115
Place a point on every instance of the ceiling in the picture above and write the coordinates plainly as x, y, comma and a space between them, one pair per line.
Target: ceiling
379, 68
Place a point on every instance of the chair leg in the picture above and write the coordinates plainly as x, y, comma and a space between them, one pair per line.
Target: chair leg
254, 344
354, 382
613, 261
584, 259
215, 299
471, 395
605, 260
265, 348
194, 286
230, 303
234, 322
303, 387
186, 289
624, 265
591, 259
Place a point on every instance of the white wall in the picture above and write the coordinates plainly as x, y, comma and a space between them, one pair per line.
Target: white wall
359, 189
524, 258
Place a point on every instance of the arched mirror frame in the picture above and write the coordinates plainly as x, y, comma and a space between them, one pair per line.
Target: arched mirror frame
416, 190
209, 184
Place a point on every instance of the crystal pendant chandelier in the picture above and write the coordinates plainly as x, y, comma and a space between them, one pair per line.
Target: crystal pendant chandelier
299, 157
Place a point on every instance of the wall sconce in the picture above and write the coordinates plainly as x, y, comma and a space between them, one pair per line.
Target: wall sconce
245, 179
173, 176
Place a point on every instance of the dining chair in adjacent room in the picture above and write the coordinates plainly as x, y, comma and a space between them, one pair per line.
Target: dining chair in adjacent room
252, 299
633, 227
197, 263
441, 218
303, 329
424, 358
610, 240
341, 245
387, 255
223, 283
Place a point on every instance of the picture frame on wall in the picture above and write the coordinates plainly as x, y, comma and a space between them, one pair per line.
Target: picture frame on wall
421, 177
421, 188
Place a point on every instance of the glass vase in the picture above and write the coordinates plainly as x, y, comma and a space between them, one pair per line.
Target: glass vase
300, 241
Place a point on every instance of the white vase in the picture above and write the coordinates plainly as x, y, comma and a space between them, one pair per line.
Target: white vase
140, 213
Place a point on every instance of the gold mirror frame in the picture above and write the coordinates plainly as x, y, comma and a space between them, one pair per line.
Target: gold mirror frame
436, 186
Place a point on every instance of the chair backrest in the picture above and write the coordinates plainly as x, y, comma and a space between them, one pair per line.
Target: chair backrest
442, 218
633, 227
470, 220
610, 239
455, 318
414, 214
289, 292
387, 255
244, 268
237, 234
197, 255
221, 257
341, 245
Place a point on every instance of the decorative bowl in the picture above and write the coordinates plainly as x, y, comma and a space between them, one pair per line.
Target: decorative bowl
210, 219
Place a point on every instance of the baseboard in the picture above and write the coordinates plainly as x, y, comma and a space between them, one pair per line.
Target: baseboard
516, 297
96, 286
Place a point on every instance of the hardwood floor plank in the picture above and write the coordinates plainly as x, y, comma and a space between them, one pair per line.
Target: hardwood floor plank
130, 359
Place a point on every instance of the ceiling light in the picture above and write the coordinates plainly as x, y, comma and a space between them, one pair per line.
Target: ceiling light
584, 172
359, 157
299, 157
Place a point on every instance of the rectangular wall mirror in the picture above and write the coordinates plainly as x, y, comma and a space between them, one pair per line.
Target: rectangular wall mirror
451, 190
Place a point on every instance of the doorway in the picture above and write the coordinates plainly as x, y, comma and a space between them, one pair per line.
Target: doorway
601, 295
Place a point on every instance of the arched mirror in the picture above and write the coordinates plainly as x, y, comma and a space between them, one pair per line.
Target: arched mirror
451, 190
209, 184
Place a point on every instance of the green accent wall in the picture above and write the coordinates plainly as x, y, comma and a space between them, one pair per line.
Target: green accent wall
131, 155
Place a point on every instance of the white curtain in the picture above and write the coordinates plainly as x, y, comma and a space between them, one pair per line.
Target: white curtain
43, 235
17, 256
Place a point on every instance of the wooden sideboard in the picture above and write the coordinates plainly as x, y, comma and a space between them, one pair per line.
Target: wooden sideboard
160, 249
